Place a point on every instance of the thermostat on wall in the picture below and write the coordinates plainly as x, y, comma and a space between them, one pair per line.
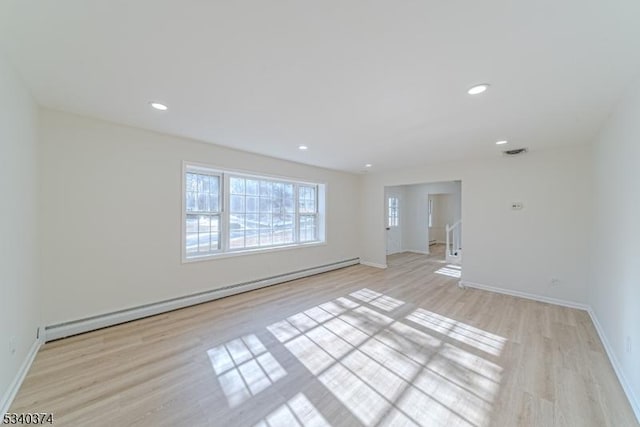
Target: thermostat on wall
516, 206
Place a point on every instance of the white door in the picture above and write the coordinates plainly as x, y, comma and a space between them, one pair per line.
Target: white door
393, 223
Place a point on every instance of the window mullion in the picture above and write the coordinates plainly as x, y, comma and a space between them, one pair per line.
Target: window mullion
316, 221
224, 220
245, 215
296, 210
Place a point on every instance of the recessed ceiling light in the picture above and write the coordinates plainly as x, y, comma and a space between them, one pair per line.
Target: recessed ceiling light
501, 142
368, 165
159, 106
302, 147
478, 89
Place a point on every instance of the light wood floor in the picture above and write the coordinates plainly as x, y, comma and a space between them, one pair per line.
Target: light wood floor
357, 346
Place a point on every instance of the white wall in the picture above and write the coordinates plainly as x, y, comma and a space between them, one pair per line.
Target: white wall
614, 293
416, 234
516, 250
111, 212
19, 309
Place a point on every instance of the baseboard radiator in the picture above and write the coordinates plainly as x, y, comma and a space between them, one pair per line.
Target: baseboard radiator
66, 329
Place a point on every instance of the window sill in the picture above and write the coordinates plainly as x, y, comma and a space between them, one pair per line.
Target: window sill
255, 251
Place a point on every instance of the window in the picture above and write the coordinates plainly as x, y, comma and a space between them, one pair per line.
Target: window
203, 210
308, 212
393, 212
262, 212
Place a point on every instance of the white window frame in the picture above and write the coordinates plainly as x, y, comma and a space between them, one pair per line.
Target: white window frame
196, 169
316, 213
225, 175
390, 217
295, 213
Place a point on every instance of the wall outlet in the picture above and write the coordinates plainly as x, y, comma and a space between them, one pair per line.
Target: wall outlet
555, 282
627, 344
516, 206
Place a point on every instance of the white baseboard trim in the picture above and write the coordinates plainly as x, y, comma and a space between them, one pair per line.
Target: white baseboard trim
79, 326
373, 264
417, 252
631, 397
633, 400
11, 393
399, 251
540, 298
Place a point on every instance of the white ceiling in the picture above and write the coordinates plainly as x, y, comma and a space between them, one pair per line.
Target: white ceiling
358, 81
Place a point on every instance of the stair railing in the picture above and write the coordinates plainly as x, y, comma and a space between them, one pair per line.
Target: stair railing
453, 240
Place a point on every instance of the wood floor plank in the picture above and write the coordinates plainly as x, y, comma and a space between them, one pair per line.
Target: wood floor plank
354, 347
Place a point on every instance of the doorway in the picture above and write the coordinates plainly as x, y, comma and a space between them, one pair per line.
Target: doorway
441, 211
419, 218
393, 205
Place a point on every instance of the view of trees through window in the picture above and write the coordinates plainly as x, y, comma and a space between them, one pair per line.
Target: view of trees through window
202, 198
261, 213
308, 210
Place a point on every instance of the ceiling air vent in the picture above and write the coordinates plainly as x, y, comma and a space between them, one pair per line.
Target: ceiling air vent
515, 152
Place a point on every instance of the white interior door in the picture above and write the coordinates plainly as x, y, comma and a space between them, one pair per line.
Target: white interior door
393, 223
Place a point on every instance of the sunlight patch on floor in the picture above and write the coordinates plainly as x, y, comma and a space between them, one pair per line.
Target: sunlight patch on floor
297, 411
450, 270
310, 354
338, 306
478, 375
363, 401
475, 337
387, 372
244, 368
381, 301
